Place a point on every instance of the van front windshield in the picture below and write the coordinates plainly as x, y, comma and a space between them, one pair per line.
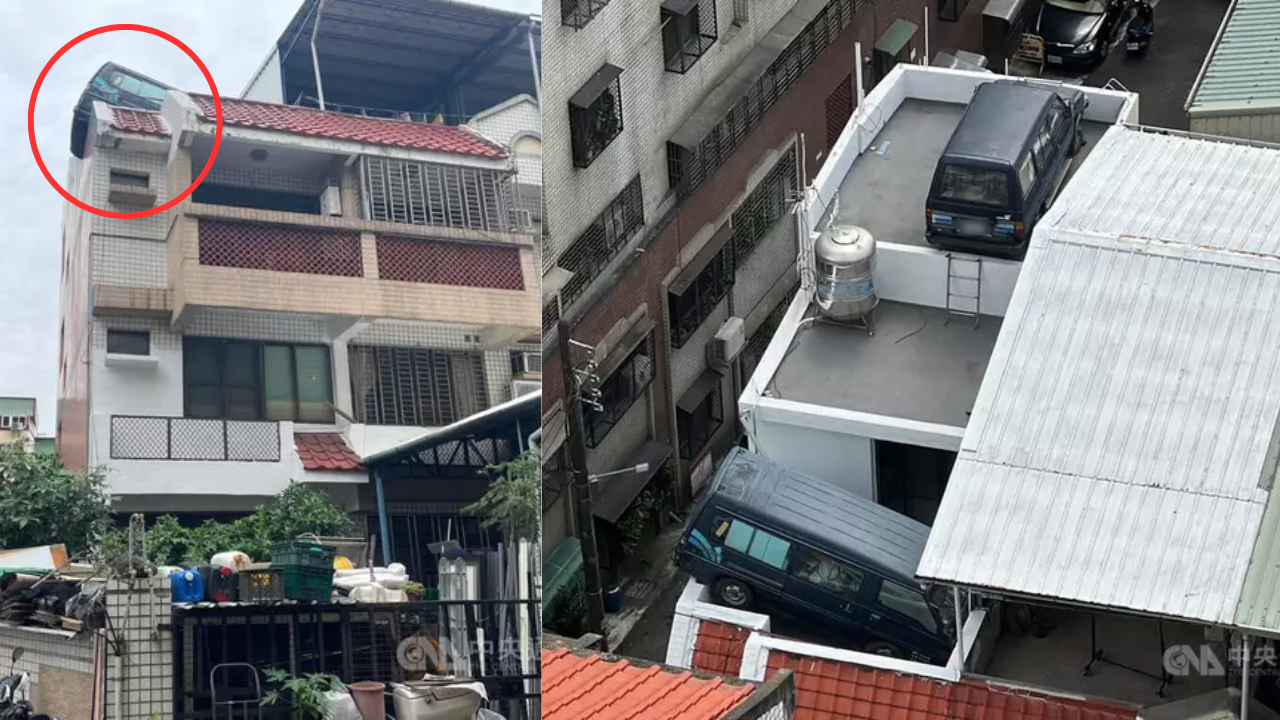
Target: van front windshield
978, 186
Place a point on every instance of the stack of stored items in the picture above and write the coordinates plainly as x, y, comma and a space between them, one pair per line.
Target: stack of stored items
306, 569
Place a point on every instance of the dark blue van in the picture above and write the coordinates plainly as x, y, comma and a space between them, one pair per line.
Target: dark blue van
1002, 167
765, 534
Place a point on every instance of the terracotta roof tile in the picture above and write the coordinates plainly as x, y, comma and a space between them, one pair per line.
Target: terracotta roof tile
325, 451
340, 126
591, 687
833, 690
139, 121
719, 647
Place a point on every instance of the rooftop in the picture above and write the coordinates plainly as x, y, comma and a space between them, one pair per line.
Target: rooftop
1242, 69
142, 122
582, 686
916, 365
1123, 434
325, 451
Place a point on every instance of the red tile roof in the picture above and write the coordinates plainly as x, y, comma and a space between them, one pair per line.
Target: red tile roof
592, 687
139, 121
719, 647
340, 126
832, 690
325, 451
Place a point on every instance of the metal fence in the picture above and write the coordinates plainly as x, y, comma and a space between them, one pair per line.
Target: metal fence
495, 642
135, 437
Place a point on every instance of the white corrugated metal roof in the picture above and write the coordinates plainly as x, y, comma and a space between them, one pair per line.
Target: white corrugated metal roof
1120, 451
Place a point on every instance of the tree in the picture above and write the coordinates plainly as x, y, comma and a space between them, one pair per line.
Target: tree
513, 502
43, 503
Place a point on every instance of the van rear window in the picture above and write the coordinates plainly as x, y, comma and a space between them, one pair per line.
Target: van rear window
979, 186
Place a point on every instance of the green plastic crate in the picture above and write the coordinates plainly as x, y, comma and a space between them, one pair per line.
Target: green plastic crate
302, 553
307, 583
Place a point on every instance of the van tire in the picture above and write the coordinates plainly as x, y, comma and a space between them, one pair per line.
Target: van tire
734, 593
882, 648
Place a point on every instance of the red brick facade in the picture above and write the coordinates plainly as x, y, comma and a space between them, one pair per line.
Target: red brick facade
801, 110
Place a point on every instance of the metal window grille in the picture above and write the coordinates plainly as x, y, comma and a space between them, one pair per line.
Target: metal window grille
619, 392
741, 12
591, 252
688, 35
764, 207
280, 248
169, 438
555, 479
408, 386
690, 310
723, 139
577, 13
435, 262
594, 126
438, 195
839, 109
753, 351
695, 429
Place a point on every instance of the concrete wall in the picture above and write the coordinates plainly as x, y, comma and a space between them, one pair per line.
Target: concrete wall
844, 460
1260, 127
61, 666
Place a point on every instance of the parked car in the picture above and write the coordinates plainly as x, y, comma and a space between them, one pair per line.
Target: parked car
1079, 33
1002, 166
767, 535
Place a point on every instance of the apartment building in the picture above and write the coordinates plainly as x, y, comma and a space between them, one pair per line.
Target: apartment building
683, 135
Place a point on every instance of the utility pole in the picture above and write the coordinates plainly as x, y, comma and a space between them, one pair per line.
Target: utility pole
581, 484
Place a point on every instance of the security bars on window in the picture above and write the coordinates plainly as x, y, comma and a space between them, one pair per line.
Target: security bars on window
688, 35
170, 438
619, 392
591, 252
408, 386
594, 127
762, 210
697, 428
438, 195
689, 167
690, 310
577, 13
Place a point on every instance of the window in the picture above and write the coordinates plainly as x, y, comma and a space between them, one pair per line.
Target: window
690, 309
240, 380
699, 423
741, 12
416, 386
951, 10
591, 252
577, 13
527, 145
764, 208
907, 602
130, 179
979, 186
1027, 174
765, 547
418, 193
5, 422
688, 32
122, 342
595, 115
619, 391
1040, 150
820, 569
525, 362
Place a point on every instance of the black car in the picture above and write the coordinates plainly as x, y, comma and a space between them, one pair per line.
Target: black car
1079, 33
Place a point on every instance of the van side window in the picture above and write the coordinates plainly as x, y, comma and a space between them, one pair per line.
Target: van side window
758, 544
720, 526
907, 602
1027, 174
827, 573
1041, 152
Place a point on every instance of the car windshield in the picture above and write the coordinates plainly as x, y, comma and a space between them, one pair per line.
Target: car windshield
1086, 7
979, 186
941, 598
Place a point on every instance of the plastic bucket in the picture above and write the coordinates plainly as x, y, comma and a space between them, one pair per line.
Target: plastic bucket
369, 699
613, 599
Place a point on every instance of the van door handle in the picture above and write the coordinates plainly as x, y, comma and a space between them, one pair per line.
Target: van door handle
875, 616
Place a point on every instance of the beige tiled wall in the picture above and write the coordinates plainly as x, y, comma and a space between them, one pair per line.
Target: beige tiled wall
143, 680
61, 669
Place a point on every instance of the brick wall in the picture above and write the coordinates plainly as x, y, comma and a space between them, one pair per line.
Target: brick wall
801, 110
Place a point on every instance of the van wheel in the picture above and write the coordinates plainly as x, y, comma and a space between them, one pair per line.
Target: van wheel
882, 648
733, 593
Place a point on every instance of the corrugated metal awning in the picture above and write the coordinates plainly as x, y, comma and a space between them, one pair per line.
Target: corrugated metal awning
700, 261
588, 93
621, 350
700, 389
611, 496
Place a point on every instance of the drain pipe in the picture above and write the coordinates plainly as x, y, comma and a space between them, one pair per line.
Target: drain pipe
384, 523
533, 63
535, 440
1246, 667
315, 58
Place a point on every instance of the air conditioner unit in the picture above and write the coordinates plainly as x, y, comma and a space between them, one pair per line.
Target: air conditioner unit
529, 363
727, 343
524, 387
331, 198
521, 219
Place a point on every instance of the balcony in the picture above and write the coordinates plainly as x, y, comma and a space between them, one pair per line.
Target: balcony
156, 455
297, 263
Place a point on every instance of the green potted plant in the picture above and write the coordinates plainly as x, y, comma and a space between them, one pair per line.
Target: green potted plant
415, 590
307, 694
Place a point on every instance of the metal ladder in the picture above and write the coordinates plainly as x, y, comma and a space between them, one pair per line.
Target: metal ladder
975, 280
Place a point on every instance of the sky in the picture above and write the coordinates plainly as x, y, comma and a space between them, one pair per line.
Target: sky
232, 37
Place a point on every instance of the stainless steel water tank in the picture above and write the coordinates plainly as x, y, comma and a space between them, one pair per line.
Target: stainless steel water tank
845, 257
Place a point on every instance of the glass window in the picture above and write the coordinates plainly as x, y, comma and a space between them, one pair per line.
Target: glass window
121, 342
827, 573
237, 380
908, 602
131, 179
315, 386
980, 186
1027, 174
740, 535
769, 549
277, 372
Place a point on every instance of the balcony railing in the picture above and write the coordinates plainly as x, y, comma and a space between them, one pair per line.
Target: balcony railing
281, 248
136, 437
